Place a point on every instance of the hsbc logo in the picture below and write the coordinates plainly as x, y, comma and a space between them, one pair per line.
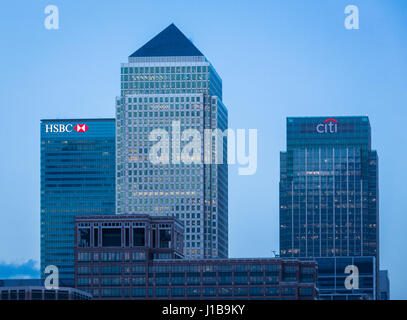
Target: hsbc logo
61, 128
329, 126
81, 128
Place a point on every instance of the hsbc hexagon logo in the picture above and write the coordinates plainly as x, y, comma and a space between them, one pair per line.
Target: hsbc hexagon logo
62, 128
81, 128
329, 126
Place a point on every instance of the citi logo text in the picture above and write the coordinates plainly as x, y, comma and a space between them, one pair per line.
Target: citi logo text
60, 128
329, 126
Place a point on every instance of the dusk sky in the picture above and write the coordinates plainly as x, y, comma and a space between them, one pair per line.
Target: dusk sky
276, 59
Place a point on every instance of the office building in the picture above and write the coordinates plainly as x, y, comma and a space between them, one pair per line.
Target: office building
77, 178
33, 289
168, 84
384, 285
329, 190
140, 257
332, 276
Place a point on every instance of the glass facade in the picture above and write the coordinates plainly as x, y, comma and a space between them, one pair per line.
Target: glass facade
166, 82
329, 189
77, 178
331, 278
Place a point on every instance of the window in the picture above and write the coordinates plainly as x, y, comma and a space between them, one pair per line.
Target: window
241, 291
165, 238
177, 279
161, 292
225, 278
272, 291
162, 279
83, 281
256, 277
111, 237
193, 292
139, 256
139, 281
290, 273
209, 278
95, 238
126, 237
83, 256
288, 291
241, 278
111, 270
36, 294
256, 291
139, 292
84, 237
178, 292
111, 281
225, 292
193, 278
139, 237
306, 292
139, 269
108, 292
209, 292
83, 270
307, 274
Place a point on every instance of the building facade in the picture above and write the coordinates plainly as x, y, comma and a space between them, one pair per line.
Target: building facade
140, 265
329, 190
384, 285
77, 178
332, 277
169, 85
33, 289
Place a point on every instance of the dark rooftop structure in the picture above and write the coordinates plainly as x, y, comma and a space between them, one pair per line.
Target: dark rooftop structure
169, 42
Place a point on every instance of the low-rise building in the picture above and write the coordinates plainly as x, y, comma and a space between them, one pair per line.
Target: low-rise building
140, 257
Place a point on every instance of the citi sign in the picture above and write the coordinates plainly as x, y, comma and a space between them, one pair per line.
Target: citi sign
60, 128
329, 126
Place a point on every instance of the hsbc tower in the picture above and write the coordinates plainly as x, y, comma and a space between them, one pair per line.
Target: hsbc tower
77, 178
329, 201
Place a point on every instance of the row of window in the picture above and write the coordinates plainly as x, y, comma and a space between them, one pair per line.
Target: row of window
207, 292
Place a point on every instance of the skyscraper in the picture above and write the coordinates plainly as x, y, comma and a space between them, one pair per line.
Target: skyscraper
77, 178
329, 189
169, 84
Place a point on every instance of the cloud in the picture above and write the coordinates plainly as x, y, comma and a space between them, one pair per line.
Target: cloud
25, 270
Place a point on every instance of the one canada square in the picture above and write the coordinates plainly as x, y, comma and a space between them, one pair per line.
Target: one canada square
168, 84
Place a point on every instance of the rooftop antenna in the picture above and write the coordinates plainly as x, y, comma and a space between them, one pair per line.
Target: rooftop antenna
275, 254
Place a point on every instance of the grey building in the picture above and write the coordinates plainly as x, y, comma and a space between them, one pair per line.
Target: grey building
169, 85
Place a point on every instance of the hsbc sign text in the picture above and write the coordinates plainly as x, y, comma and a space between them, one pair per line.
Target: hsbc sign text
60, 128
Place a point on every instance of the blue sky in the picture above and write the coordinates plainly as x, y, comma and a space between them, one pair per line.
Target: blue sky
276, 59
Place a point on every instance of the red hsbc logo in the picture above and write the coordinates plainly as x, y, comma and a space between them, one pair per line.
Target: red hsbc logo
329, 126
60, 128
81, 128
